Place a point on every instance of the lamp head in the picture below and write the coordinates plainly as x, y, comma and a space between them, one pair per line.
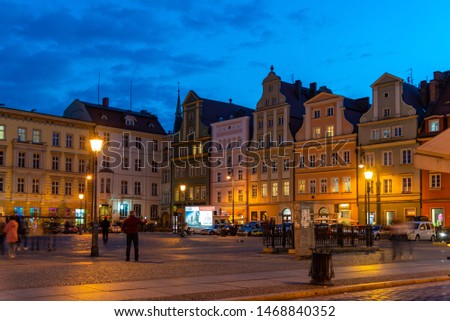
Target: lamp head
368, 175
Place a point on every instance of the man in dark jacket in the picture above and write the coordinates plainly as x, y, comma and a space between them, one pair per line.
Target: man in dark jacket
130, 227
105, 229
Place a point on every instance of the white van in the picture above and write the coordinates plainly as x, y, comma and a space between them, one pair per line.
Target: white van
417, 231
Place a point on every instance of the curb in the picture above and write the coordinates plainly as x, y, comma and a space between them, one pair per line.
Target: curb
329, 290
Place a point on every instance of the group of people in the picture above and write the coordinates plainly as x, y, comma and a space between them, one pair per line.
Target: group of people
13, 232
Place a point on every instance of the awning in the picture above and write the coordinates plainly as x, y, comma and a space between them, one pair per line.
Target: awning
434, 155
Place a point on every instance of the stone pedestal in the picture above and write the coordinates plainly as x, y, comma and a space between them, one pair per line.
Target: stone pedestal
303, 230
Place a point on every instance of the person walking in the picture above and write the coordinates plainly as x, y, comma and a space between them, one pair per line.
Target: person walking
2, 236
130, 228
12, 236
105, 225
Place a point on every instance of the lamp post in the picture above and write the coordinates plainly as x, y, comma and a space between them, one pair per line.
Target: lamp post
368, 176
230, 176
181, 218
96, 146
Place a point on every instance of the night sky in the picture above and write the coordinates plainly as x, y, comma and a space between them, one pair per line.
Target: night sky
53, 52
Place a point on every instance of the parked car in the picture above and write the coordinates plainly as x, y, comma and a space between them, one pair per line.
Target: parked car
415, 231
257, 231
381, 232
246, 229
208, 230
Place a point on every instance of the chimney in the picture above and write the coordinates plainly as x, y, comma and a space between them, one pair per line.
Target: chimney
105, 102
298, 89
424, 93
312, 89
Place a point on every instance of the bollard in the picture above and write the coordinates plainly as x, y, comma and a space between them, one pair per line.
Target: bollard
321, 271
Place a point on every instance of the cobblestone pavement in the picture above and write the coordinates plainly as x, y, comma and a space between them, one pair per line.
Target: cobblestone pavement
419, 292
167, 256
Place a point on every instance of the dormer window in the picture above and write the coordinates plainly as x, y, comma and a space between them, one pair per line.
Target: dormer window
104, 117
130, 120
433, 125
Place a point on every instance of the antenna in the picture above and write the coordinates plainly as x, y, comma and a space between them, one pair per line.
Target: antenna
98, 89
131, 94
410, 77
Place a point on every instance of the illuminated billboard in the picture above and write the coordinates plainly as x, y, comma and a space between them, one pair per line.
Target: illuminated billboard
199, 216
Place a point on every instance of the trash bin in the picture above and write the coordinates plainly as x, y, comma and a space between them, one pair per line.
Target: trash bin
321, 271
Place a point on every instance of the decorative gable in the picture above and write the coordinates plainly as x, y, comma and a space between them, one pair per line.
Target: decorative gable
130, 120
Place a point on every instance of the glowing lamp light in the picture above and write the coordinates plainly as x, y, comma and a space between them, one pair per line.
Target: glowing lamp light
368, 175
96, 144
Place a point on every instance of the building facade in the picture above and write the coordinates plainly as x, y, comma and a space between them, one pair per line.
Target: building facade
130, 164
387, 140
44, 163
326, 146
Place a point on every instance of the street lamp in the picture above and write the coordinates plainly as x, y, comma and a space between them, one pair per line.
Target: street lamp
181, 219
368, 176
230, 176
96, 146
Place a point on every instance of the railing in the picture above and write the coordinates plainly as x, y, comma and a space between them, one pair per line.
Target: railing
278, 236
325, 236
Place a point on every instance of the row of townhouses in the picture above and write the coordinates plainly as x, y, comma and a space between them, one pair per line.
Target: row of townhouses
349, 161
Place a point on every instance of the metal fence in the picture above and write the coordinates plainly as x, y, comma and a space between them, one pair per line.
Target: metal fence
337, 235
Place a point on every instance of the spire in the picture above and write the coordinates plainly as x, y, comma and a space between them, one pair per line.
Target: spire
178, 114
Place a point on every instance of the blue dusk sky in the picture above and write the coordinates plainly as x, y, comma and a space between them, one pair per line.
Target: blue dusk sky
52, 52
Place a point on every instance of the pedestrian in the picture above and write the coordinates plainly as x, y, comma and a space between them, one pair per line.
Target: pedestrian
12, 236
130, 227
105, 229
2, 235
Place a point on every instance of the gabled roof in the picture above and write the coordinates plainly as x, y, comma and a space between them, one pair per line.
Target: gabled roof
214, 111
386, 78
114, 117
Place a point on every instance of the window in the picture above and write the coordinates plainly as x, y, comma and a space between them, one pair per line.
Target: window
316, 132
330, 131
334, 159
106, 137
55, 163
347, 184
36, 136
274, 189
386, 112
2, 158
406, 155
2, 132
35, 186
270, 123
81, 166
203, 192
334, 185
312, 160
387, 158
82, 144
21, 160
330, 111
68, 164
312, 186
108, 185
433, 125
240, 195
137, 188
219, 197
398, 131
264, 167
323, 185
316, 113
301, 163
260, 124
55, 188
280, 120
387, 186
254, 191
274, 166
286, 165
55, 139
125, 140
286, 188
435, 181
124, 187
370, 159
264, 190
323, 160
301, 186
154, 189
2, 184
406, 184
230, 196
386, 132
219, 177
81, 188
138, 165
240, 175
68, 188
346, 157
21, 185
374, 134
154, 166
36, 161
21, 134
138, 143
69, 141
